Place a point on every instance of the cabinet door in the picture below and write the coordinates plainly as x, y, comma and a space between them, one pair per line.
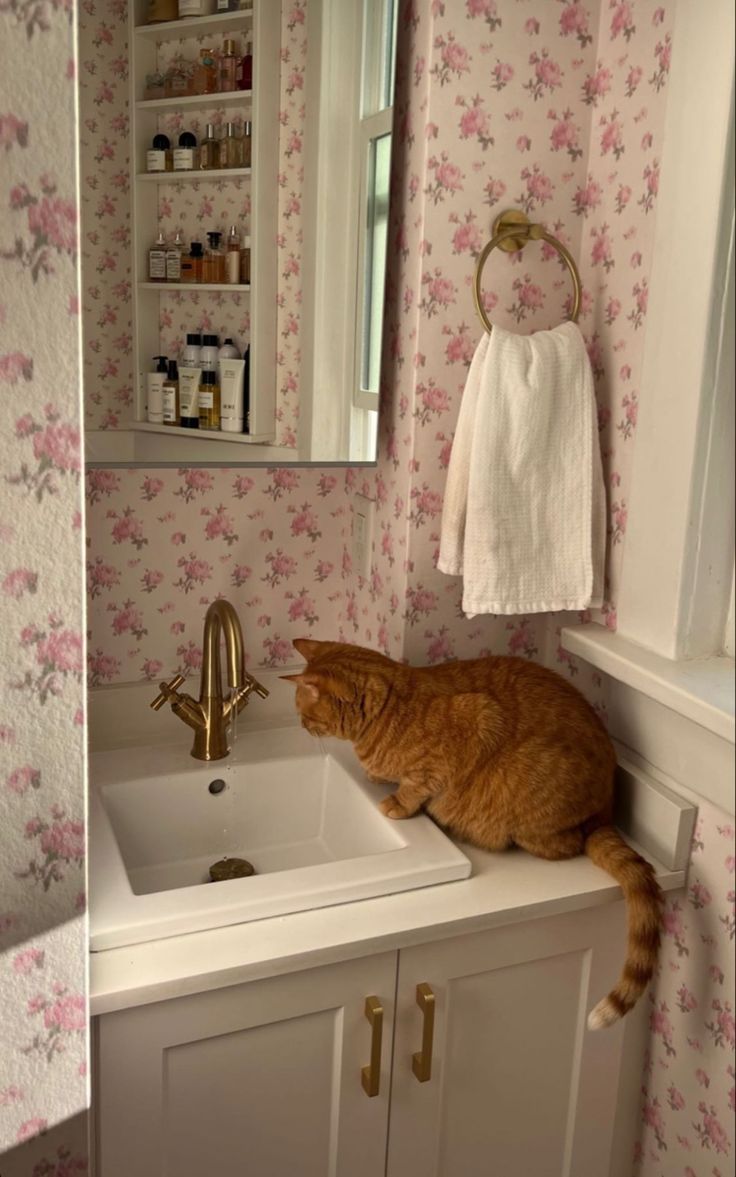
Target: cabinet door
518, 1086
261, 1078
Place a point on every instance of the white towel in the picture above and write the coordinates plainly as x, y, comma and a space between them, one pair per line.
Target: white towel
524, 516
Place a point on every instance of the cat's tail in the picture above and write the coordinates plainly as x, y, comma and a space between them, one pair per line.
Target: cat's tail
607, 849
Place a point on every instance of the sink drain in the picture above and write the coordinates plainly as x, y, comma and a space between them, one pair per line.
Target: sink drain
231, 868
217, 786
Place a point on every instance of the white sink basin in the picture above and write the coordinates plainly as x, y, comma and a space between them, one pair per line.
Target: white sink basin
301, 811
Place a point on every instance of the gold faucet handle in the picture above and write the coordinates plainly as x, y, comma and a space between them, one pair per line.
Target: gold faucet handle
168, 692
257, 687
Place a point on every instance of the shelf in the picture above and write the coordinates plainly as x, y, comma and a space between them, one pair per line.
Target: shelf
203, 434
226, 287
194, 26
197, 101
193, 176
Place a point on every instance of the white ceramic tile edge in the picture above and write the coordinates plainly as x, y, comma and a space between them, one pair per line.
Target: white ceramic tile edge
701, 690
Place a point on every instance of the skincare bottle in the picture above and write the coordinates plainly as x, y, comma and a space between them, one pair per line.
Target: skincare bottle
191, 264
208, 150
208, 356
158, 159
189, 381
232, 257
209, 401
245, 262
155, 392
228, 351
186, 153
232, 372
191, 356
173, 258
171, 395
157, 260
227, 67
213, 267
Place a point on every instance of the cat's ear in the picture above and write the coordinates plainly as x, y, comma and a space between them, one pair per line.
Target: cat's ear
309, 682
307, 647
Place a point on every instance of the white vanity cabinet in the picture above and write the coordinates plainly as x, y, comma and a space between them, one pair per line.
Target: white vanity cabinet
267, 1077
261, 1078
519, 1086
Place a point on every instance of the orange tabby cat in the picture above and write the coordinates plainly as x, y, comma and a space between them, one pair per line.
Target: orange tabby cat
501, 752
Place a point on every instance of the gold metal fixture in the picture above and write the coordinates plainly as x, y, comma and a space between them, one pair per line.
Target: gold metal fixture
511, 231
213, 715
370, 1076
421, 1062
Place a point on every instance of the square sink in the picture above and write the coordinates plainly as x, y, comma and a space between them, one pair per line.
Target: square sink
301, 811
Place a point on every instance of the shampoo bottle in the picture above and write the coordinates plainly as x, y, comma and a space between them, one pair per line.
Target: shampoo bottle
171, 395
208, 356
155, 392
189, 381
209, 401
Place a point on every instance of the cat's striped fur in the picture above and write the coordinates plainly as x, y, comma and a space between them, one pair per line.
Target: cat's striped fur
501, 752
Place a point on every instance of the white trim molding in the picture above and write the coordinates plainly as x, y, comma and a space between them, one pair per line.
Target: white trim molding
678, 556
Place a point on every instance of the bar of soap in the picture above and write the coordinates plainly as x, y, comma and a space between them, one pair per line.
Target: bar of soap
231, 868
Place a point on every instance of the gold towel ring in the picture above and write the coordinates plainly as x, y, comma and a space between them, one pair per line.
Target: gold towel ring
511, 231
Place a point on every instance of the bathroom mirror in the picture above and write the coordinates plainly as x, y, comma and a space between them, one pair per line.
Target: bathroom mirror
269, 125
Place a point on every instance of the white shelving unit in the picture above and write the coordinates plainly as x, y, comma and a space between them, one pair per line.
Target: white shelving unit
260, 105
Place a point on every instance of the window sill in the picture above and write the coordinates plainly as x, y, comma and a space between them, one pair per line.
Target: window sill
701, 690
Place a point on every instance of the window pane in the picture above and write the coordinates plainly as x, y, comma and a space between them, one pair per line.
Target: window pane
379, 168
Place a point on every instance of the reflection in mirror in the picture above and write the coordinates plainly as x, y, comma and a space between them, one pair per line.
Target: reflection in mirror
235, 216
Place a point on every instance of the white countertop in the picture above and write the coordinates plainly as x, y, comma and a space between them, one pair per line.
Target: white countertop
503, 889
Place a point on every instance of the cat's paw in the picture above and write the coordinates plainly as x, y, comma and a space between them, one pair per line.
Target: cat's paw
393, 808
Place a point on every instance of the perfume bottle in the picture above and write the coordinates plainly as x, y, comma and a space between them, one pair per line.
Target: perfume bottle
191, 263
246, 146
208, 150
157, 259
213, 266
244, 75
186, 153
228, 67
158, 158
232, 257
205, 77
173, 258
230, 148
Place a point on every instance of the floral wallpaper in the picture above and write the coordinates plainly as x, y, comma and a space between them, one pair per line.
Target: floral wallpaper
689, 1084
557, 107
43, 1003
194, 207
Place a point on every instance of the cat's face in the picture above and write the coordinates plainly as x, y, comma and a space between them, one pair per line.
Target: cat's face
330, 690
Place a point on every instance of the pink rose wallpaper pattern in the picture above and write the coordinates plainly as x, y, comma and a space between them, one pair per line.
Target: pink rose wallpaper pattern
554, 107
689, 1083
43, 1004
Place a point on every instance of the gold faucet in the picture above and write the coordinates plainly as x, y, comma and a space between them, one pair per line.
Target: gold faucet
212, 716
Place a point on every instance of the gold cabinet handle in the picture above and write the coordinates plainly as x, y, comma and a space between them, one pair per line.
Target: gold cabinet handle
421, 1063
370, 1076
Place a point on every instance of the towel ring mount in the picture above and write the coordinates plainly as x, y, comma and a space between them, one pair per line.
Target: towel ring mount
511, 232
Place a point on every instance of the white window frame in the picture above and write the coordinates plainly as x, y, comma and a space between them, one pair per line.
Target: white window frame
678, 553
